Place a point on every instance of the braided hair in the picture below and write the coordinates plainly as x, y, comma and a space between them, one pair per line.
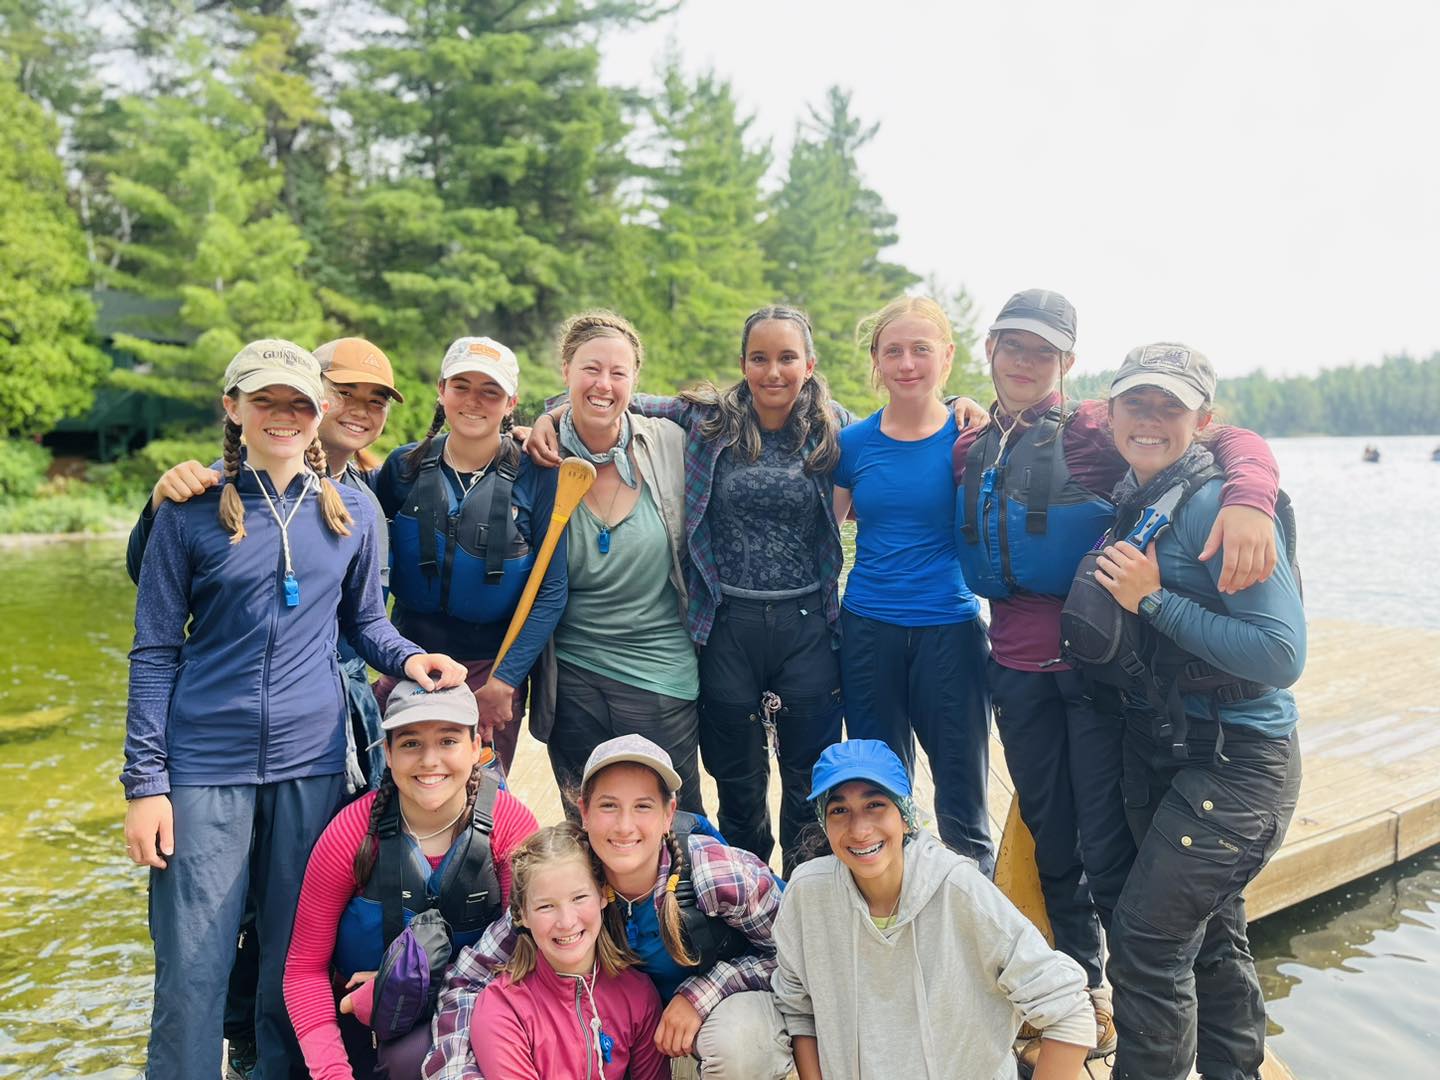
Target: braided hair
368, 852
416, 456
332, 506
232, 509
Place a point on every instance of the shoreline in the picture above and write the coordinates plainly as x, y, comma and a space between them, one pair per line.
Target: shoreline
11, 540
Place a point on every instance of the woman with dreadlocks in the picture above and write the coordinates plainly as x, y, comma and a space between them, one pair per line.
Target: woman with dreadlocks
440, 831
467, 514
235, 730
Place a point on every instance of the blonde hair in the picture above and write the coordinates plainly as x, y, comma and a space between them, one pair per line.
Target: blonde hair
599, 323
232, 508
869, 329
548, 846
672, 935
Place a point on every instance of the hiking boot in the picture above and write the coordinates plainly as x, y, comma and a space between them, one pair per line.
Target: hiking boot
241, 1057
1105, 1038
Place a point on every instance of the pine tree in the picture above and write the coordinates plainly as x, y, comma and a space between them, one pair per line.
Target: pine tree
48, 367
709, 266
824, 240
188, 206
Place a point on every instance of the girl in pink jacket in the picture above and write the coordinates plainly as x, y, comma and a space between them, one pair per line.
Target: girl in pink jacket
567, 1007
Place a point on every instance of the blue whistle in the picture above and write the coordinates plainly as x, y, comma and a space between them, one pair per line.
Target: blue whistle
607, 1044
292, 591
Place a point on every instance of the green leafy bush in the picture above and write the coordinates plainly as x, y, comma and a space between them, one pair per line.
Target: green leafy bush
130, 479
73, 510
22, 468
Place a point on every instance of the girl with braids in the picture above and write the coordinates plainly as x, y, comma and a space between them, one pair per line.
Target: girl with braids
467, 513
235, 740
569, 1005
696, 914
622, 660
443, 832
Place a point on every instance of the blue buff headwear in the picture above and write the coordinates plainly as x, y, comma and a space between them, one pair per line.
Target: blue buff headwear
863, 759
570, 440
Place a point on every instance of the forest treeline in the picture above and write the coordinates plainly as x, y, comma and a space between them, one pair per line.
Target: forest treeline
407, 171
1400, 396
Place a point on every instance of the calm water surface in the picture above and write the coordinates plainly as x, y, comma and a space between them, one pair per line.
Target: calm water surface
1353, 976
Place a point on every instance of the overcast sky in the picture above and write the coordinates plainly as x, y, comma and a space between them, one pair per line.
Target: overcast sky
1258, 179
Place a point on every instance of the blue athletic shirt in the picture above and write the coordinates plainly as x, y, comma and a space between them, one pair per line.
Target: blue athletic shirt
906, 568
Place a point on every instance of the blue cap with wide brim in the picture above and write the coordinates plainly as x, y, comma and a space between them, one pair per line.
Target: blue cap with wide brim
859, 759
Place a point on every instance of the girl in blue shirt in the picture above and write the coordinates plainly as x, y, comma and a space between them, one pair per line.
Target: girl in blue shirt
235, 727
913, 650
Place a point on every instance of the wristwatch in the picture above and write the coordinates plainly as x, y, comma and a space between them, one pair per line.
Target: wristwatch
1150, 606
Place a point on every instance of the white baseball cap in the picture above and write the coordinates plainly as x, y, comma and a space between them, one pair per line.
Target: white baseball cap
485, 356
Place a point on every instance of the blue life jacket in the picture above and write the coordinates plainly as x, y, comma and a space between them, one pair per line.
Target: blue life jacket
1021, 522
460, 557
464, 887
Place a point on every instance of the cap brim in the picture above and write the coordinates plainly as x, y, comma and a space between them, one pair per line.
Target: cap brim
350, 376
845, 775
1179, 389
669, 775
482, 367
258, 380
1061, 341
394, 723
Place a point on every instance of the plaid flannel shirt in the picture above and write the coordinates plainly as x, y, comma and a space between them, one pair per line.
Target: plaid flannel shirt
701, 454
730, 884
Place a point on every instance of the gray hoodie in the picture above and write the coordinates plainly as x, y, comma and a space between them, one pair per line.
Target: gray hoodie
939, 995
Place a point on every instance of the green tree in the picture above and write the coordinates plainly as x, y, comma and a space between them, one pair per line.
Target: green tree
488, 158
709, 267
824, 241
50, 48
190, 204
48, 367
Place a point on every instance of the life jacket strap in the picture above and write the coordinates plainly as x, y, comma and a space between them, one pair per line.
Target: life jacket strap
497, 529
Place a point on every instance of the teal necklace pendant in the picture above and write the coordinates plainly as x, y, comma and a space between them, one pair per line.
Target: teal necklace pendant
602, 540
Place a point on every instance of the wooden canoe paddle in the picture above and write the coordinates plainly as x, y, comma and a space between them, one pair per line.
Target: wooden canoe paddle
1016, 874
576, 476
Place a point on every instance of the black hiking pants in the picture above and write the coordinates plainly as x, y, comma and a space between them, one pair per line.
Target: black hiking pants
1184, 981
1064, 758
787, 648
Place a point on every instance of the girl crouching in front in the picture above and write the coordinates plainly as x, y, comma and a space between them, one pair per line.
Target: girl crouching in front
897, 957
569, 1006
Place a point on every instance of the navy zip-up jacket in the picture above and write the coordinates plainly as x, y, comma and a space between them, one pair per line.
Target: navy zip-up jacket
252, 693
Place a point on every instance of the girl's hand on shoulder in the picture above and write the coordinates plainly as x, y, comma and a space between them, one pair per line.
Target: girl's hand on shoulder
150, 830
679, 1024
183, 482
1248, 537
970, 414
543, 444
1128, 574
446, 672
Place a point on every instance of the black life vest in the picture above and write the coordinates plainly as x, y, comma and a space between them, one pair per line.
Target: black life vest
706, 936
463, 557
1117, 647
465, 889
1021, 521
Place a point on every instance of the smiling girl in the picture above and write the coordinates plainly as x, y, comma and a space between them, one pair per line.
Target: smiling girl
913, 649
1211, 759
570, 1005
235, 732
897, 957
710, 956
467, 514
443, 833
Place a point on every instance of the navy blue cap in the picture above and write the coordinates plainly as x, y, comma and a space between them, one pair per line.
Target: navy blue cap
859, 759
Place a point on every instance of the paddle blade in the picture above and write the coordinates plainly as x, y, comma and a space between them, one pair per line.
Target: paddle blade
1016, 874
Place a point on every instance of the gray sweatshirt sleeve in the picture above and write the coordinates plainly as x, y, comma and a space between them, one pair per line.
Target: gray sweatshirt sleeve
792, 995
1047, 988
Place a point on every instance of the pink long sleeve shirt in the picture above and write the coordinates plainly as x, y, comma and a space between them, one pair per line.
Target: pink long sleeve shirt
329, 886
540, 1028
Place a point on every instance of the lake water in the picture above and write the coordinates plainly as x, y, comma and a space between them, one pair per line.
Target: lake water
1353, 977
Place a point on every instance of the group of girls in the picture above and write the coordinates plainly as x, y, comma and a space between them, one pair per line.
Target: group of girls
737, 494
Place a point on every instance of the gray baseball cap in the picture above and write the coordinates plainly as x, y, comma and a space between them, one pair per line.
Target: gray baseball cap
1042, 312
1177, 369
635, 750
412, 704
273, 362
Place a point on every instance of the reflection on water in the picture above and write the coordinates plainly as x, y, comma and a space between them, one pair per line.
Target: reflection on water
1352, 977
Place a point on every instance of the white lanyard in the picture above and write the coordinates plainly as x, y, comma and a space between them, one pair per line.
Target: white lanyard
292, 587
